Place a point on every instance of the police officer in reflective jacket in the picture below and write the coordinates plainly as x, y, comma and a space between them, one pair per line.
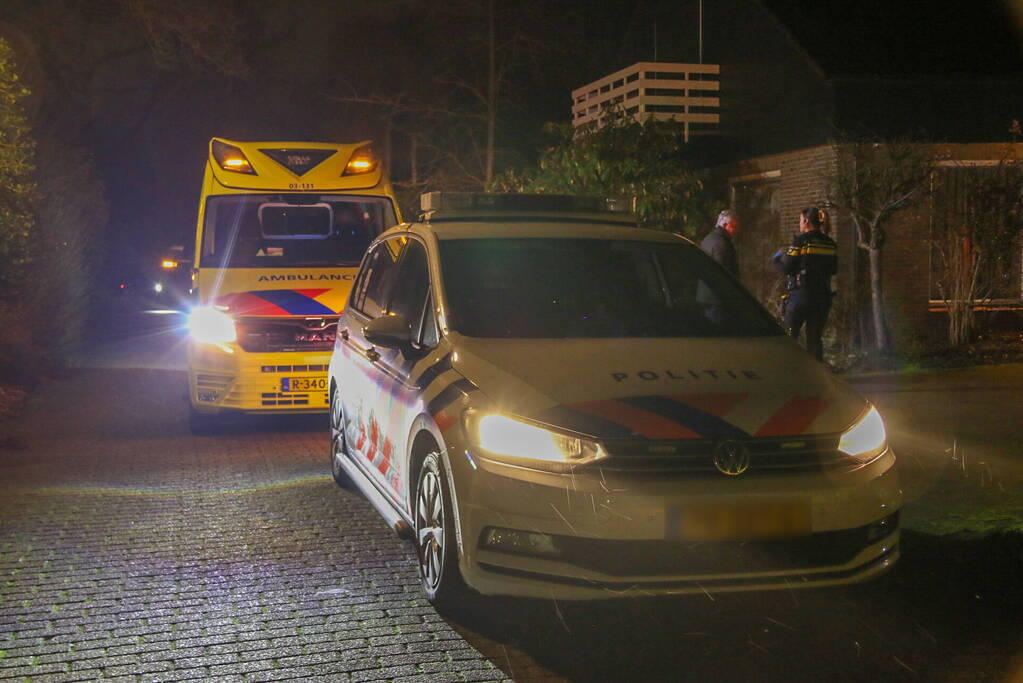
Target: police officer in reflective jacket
809, 264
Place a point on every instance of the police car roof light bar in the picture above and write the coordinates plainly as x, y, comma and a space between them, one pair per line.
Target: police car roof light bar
541, 203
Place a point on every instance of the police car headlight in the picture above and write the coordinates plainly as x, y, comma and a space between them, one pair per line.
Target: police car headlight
207, 325
866, 439
529, 444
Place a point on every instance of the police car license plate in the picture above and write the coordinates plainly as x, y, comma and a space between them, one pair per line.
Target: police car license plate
303, 383
738, 522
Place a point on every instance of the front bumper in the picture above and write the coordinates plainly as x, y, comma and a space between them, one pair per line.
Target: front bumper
236, 381
617, 536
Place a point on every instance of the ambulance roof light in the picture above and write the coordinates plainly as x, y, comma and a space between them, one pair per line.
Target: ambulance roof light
540, 203
231, 158
363, 160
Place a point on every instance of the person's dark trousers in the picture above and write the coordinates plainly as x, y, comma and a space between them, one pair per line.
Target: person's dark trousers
803, 308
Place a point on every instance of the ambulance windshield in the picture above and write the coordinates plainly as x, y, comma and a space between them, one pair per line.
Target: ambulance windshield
567, 288
282, 230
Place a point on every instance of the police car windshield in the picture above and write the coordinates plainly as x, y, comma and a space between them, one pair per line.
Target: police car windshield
569, 288
291, 231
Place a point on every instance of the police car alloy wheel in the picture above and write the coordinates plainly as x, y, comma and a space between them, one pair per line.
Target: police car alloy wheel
435, 540
337, 444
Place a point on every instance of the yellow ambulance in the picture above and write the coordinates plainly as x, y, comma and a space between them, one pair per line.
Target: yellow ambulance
282, 229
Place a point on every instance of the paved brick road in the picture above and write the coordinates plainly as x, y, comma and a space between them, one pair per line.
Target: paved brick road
130, 549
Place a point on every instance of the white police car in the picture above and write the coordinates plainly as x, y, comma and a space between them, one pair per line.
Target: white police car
555, 403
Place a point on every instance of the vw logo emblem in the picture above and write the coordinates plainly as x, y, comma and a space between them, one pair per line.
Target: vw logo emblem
731, 458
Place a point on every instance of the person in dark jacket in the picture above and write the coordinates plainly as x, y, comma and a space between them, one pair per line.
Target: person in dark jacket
809, 264
718, 242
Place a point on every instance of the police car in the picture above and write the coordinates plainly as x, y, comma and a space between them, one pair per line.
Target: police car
553, 402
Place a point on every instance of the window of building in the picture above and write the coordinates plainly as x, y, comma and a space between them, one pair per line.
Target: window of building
617, 99
962, 227
665, 108
592, 109
605, 88
631, 77
593, 93
618, 83
665, 92
632, 110
703, 77
703, 110
580, 100
758, 202
665, 76
703, 93
632, 93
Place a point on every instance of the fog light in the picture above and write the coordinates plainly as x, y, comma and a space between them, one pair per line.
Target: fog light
883, 527
521, 542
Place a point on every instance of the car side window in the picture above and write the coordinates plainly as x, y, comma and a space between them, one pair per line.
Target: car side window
413, 287
378, 278
428, 334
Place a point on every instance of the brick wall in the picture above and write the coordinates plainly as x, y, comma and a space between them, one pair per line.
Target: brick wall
799, 176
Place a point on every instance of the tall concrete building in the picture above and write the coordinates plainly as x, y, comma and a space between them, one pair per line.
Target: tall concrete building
687, 93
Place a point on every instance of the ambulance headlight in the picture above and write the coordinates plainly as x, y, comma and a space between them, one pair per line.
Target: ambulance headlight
207, 325
866, 439
529, 445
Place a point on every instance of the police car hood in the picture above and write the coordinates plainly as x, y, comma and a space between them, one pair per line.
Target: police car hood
662, 389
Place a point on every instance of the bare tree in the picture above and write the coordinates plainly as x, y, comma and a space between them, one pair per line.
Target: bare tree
873, 182
978, 215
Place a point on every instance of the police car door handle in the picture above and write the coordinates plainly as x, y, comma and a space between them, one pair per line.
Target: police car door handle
372, 354
344, 334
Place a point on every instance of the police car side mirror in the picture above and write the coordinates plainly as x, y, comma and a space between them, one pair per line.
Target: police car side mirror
389, 331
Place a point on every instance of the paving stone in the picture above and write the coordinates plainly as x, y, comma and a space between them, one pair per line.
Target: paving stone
153, 555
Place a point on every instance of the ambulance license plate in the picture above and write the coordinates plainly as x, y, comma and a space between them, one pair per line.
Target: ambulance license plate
738, 522
290, 384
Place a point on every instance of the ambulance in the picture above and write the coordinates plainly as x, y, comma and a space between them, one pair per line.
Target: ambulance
282, 228
551, 402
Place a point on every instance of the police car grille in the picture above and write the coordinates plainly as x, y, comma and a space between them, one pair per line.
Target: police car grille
651, 558
268, 337
768, 455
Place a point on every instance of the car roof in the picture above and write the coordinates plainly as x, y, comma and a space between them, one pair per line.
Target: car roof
536, 227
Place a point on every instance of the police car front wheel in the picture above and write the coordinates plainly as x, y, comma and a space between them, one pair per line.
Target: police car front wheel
435, 536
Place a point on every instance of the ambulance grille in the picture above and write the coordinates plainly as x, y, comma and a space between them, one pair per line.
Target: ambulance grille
286, 335
293, 368
272, 399
768, 455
